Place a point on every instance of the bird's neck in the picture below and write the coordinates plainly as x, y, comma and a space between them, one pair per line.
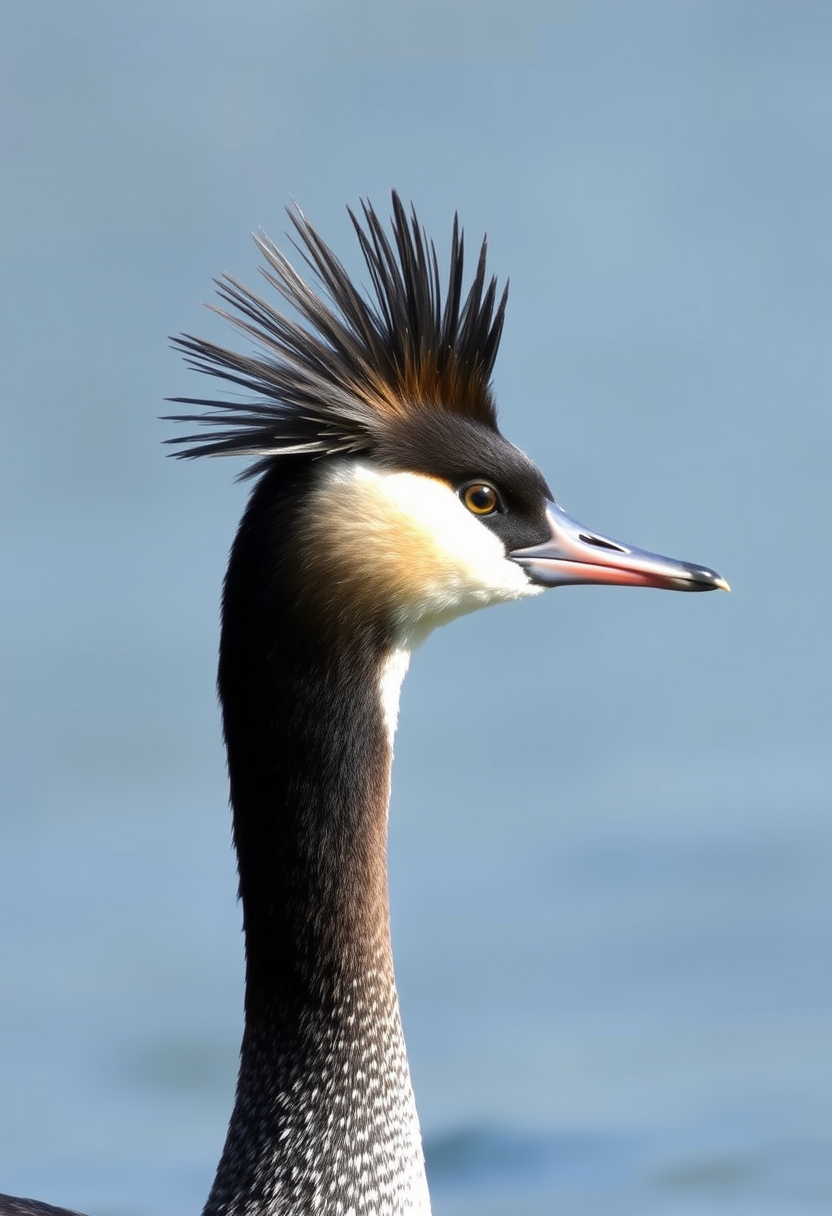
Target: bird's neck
324, 1113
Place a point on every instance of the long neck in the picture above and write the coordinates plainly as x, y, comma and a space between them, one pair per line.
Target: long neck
324, 1118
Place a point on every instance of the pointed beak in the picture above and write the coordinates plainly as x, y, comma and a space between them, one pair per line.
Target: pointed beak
575, 554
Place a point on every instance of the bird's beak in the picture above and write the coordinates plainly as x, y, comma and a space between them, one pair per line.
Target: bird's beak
575, 554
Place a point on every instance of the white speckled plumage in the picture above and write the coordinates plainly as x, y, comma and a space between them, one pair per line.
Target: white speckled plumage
349, 1130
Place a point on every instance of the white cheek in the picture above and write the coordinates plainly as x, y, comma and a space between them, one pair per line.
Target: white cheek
404, 546
463, 564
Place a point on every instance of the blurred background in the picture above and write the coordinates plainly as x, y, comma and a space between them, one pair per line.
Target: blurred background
611, 825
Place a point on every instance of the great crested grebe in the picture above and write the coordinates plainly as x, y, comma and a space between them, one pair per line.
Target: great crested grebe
386, 502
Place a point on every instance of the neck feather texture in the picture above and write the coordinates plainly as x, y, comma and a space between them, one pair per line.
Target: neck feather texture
324, 1119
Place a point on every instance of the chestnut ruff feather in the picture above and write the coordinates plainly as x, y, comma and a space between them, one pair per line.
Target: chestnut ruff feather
329, 383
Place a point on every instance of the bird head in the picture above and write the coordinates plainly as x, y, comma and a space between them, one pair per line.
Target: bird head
416, 509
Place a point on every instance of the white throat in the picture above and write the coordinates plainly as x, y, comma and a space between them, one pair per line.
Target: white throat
392, 673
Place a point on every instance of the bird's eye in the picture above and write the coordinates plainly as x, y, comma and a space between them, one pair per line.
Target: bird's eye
480, 499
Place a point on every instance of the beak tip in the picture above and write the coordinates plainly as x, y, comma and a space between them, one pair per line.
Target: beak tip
722, 584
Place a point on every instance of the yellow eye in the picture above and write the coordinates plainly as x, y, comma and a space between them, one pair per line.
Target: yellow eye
480, 499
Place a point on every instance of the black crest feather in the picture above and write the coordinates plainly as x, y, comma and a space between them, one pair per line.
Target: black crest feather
327, 383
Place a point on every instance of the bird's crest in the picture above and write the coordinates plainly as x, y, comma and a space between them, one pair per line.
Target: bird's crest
354, 361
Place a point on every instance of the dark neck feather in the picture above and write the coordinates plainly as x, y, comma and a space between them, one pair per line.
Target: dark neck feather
308, 759
309, 763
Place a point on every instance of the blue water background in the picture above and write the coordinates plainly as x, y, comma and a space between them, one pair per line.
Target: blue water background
611, 851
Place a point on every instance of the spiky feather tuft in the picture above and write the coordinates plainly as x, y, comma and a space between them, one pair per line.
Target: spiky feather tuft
330, 381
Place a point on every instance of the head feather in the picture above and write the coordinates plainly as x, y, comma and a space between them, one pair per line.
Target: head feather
353, 362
